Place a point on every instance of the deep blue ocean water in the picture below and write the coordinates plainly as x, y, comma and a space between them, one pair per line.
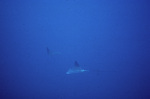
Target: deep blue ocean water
41, 39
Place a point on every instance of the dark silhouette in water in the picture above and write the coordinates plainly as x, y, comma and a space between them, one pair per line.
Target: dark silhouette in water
76, 64
48, 51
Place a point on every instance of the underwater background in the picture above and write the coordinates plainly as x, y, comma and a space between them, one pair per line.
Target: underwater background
41, 39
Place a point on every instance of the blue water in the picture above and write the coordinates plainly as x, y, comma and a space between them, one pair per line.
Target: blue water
41, 39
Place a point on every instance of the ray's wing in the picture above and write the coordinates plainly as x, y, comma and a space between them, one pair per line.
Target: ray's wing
76, 64
48, 51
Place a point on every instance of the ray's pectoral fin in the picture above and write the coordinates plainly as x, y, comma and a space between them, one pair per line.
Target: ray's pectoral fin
76, 64
48, 51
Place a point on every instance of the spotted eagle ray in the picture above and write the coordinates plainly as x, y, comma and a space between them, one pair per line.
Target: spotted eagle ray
75, 69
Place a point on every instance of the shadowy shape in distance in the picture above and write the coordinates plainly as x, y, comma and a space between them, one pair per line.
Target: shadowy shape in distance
75, 69
51, 53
